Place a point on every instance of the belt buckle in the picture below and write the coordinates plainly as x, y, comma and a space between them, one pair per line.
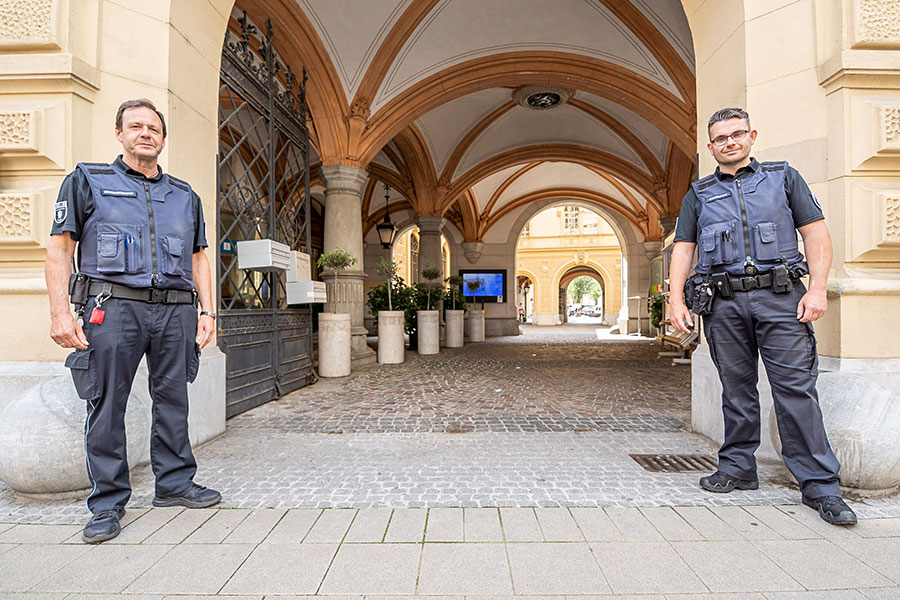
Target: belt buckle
157, 295
751, 283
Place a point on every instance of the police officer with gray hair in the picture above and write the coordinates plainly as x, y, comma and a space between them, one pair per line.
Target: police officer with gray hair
141, 271
743, 220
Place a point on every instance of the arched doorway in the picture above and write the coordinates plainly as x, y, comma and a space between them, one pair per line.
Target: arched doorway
584, 300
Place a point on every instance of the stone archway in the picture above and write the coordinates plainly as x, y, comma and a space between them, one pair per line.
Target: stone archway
574, 273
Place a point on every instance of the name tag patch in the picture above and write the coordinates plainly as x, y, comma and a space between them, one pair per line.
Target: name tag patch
60, 211
119, 193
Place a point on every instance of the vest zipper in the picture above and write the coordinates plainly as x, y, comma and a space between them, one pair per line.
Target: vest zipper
154, 276
740, 191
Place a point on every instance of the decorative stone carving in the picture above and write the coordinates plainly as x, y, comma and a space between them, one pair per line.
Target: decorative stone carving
877, 24
890, 125
472, 251
26, 22
16, 131
15, 217
892, 219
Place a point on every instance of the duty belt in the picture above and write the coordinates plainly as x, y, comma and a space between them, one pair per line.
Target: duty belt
754, 282
151, 295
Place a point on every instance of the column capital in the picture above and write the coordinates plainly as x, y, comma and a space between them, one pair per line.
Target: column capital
344, 179
430, 224
668, 225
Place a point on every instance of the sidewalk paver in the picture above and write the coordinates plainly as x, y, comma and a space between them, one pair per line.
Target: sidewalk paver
464, 569
557, 525
482, 525
370, 525
445, 525
25, 566
218, 527
882, 554
559, 568
633, 525
258, 524
183, 525
38, 534
645, 567
373, 569
282, 569
104, 569
191, 569
596, 525
520, 525
781, 523
745, 523
137, 528
330, 527
407, 525
671, 525
293, 526
821, 565
734, 567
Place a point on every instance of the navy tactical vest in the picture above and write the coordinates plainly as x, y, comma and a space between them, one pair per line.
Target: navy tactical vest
746, 219
141, 232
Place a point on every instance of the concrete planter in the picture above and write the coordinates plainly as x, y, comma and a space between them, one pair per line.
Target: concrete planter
429, 327
391, 350
475, 327
334, 344
455, 329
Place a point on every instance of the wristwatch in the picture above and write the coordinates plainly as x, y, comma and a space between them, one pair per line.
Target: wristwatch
208, 314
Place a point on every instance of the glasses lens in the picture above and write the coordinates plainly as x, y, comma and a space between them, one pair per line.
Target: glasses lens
737, 136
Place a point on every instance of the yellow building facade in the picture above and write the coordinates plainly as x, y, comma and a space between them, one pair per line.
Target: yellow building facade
556, 246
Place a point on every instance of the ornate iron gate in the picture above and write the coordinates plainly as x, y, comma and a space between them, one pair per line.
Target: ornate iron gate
263, 192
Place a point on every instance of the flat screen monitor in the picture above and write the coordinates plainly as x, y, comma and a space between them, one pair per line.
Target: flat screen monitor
493, 285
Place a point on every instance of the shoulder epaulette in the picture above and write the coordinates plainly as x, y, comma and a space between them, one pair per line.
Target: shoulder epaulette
180, 183
774, 165
98, 168
704, 183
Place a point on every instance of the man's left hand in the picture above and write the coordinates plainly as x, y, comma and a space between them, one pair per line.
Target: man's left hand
812, 305
206, 325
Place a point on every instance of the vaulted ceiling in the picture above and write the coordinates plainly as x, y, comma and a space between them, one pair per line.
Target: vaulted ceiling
427, 95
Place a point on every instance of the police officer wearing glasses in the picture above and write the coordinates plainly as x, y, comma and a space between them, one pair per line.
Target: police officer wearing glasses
743, 219
141, 271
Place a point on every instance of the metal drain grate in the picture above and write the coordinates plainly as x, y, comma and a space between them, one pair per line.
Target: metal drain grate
675, 463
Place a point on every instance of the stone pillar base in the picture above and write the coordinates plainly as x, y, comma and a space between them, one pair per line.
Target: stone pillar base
42, 423
860, 400
545, 319
361, 355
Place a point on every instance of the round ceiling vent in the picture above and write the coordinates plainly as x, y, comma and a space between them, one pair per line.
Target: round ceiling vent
542, 97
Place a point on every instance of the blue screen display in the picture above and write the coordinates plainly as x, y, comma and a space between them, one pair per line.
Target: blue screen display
492, 284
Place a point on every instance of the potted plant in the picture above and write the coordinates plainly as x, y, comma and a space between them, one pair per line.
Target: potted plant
334, 327
387, 301
428, 320
476, 317
455, 318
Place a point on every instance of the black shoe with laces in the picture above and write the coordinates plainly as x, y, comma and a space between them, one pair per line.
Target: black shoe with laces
104, 525
832, 509
722, 483
195, 496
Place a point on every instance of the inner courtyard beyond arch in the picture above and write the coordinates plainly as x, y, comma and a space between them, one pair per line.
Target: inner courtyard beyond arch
459, 123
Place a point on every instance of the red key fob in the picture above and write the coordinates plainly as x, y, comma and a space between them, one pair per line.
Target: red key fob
97, 316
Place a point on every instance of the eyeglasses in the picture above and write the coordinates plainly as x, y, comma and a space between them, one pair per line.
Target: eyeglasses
737, 136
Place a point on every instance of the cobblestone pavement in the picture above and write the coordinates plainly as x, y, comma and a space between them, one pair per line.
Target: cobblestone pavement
546, 419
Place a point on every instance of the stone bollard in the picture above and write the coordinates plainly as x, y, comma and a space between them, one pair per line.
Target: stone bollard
391, 349
475, 328
42, 438
334, 344
455, 328
429, 329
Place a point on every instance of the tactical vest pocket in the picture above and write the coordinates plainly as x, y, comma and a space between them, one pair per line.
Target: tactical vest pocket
766, 240
119, 250
718, 245
84, 373
172, 250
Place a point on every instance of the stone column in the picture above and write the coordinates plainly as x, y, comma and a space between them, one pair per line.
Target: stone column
429, 243
344, 187
668, 225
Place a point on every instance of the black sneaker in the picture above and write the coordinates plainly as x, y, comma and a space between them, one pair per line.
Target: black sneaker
832, 509
195, 496
103, 526
722, 483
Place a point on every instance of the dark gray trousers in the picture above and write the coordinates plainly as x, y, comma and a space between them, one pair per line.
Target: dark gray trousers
103, 375
761, 323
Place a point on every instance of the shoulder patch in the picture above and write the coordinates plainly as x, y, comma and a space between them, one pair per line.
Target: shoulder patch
774, 166
60, 212
815, 199
101, 171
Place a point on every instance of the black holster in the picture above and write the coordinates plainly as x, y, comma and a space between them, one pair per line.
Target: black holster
78, 289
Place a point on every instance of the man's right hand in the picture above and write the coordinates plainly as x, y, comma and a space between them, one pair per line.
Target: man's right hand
680, 317
66, 332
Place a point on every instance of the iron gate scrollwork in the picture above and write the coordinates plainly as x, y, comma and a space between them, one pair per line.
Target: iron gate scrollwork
263, 192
